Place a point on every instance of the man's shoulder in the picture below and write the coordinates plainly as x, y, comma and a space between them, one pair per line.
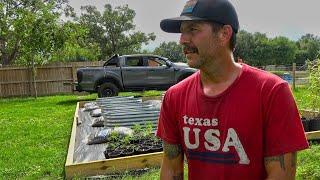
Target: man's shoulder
262, 77
185, 84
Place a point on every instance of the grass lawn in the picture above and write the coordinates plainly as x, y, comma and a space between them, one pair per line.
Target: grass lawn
34, 137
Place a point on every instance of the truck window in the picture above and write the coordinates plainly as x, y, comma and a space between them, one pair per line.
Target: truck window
155, 62
112, 62
134, 61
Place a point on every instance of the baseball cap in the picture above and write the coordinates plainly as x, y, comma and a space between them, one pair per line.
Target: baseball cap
219, 11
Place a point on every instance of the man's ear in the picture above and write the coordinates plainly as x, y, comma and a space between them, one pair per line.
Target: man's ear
226, 34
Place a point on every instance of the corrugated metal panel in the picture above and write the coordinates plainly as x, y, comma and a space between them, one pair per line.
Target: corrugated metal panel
131, 101
106, 112
141, 108
120, 113
144, 120
130, 116
137, 104
128, 112
115, 98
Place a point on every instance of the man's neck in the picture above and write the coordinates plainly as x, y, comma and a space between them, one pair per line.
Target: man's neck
219, 75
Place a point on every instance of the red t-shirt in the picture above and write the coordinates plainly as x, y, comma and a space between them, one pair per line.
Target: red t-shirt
228, 136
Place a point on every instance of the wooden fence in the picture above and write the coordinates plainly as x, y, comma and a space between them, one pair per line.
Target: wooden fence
50, 79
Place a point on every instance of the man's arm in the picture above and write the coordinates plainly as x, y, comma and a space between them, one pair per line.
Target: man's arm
172, 163
282, 167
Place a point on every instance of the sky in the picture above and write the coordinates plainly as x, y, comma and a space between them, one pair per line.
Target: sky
289, 18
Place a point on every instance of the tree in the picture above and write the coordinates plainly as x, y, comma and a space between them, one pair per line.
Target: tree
172, 51
19, 19
113, 30
309, 48
76, 48
259, 50
283, 51
244, 46
254, 49
43, 36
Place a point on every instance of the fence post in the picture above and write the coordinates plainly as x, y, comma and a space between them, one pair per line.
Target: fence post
294, 76
74, 75
30, 80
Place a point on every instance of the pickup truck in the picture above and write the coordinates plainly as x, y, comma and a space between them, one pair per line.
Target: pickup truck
130, 73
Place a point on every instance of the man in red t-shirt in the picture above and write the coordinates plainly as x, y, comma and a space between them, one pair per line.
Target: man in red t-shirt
230, 120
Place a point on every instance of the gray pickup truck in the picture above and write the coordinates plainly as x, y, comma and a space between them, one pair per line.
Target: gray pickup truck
130, 73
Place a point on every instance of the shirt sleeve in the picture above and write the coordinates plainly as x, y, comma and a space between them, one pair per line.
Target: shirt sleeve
167, 124
283, 130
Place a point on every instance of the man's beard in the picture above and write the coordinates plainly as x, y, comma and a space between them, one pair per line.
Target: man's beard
195, 63
187, 49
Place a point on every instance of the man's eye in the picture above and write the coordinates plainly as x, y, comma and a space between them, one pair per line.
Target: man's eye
193, 29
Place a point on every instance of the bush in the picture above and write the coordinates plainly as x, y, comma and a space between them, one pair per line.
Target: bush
314, 79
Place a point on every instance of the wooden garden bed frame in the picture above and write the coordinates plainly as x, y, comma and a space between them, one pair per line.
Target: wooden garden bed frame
122, 164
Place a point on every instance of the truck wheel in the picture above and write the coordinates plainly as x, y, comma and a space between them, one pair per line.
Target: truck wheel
107, 90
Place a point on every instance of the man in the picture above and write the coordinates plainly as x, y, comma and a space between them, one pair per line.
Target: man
230, 120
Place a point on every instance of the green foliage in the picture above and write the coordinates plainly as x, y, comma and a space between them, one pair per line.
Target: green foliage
137, 132
283, 51
76, 48
137, 128
314, 81
29, 30
259, 50
309, 46
114, 136
149, 129
171, 50
254, 49
113, 30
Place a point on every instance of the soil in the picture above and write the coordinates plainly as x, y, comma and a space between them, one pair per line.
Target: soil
134, 147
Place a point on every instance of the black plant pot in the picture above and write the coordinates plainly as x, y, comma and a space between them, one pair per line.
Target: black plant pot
147, 142
306, 125
314, 124
142, 149
111, 148
106, 154
158, 143
156, 148
114, 154
128, 151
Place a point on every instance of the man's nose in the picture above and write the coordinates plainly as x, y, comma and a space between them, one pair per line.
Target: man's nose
184, 38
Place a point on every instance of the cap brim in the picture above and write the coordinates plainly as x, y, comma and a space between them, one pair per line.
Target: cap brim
172, 25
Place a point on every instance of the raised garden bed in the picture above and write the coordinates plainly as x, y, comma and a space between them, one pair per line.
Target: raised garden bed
106, 166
